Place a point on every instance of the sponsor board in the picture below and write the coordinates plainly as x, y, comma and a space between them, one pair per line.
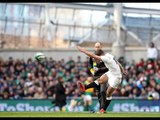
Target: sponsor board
115, 106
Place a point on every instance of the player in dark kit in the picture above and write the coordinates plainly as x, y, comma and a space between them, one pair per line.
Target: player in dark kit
98, 68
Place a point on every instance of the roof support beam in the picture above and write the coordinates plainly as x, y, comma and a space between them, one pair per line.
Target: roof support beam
96, 7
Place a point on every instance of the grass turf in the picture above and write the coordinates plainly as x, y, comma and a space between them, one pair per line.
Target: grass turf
78, 114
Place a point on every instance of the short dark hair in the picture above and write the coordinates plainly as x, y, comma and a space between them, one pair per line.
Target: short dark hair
151, 44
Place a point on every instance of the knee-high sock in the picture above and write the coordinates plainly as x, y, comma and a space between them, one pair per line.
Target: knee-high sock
103, 99
90, 107
103, 95
92, 85
86, 108
108, 100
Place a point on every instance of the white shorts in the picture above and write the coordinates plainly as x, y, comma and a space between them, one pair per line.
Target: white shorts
87, 97
113, 80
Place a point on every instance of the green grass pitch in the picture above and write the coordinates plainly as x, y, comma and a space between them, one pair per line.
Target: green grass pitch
78, 114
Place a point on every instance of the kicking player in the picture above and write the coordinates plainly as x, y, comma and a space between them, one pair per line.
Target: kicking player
113, 76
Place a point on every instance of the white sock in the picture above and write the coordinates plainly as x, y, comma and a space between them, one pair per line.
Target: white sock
96, 81
108, 98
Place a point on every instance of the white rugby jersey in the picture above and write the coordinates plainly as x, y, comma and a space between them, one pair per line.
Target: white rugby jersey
111, 64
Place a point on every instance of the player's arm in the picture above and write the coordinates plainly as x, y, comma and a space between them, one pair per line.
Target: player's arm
89, 53
91, 66
122, 69
90, 62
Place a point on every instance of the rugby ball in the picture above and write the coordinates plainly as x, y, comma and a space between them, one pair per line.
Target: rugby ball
39, 56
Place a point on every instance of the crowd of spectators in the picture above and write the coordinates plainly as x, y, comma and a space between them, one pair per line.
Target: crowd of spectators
142, 81
32, 80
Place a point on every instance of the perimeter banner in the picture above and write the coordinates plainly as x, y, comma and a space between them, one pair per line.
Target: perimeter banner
117, 105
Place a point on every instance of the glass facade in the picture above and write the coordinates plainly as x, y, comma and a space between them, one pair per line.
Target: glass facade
29, 21
32, 23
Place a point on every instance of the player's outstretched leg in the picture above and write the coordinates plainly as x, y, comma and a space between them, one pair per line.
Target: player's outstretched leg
91, 85
103, 79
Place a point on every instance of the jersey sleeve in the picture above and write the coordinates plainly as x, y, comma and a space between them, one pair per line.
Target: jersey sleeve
106, 58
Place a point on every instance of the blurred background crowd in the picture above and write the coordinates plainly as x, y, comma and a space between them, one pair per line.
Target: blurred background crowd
33, 80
